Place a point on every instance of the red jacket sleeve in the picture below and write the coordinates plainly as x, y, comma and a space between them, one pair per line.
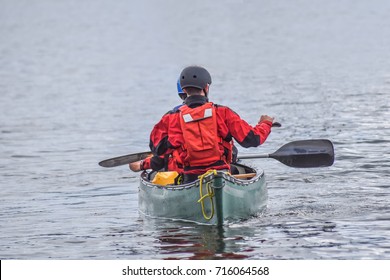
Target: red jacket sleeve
231, 125
146, 163
159, 136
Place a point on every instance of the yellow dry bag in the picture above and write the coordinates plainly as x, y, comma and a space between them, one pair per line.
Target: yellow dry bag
165, 178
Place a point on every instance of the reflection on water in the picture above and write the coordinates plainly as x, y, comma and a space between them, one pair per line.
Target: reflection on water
298, 238
180, 240
200, 242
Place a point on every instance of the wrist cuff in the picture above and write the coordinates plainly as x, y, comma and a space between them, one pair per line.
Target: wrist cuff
141, 165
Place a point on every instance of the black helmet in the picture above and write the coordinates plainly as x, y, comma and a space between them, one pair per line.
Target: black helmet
194, 76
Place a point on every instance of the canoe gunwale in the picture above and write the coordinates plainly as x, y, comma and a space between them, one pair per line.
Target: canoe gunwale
208, 178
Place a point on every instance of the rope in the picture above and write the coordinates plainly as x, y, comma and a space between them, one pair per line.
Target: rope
209, 194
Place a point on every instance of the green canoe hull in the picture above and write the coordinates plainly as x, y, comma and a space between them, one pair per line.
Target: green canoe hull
226, 199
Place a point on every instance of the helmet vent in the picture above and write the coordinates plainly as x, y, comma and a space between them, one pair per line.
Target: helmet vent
194, 76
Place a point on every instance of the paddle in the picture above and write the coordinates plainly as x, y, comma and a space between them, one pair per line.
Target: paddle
126, 159
302, 154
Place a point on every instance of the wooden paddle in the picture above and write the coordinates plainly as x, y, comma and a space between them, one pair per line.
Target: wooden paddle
302, 154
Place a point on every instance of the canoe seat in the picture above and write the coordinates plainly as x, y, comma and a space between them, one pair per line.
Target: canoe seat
245, 176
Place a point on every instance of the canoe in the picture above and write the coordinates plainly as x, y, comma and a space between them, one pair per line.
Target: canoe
217, 198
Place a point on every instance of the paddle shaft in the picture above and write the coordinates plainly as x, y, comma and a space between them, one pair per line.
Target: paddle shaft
252, 156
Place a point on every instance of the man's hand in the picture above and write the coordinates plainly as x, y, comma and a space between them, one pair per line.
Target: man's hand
266, 118
135, 166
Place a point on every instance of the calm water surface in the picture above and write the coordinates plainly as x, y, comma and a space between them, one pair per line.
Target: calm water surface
81, 81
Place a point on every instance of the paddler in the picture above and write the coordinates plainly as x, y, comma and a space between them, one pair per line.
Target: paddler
201, 132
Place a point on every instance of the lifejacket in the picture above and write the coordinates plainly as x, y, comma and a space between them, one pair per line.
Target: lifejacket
202, 145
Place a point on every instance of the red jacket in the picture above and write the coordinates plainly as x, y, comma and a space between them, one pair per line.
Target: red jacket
167, 134
163, 163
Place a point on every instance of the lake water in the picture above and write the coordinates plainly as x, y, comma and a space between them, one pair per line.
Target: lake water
82, 81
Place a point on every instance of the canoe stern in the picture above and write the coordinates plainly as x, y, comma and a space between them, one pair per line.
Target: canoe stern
225, 199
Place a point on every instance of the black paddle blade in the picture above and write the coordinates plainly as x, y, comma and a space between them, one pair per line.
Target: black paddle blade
122, 160
306, 153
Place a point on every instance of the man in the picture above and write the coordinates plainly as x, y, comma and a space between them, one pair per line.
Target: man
201, 132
